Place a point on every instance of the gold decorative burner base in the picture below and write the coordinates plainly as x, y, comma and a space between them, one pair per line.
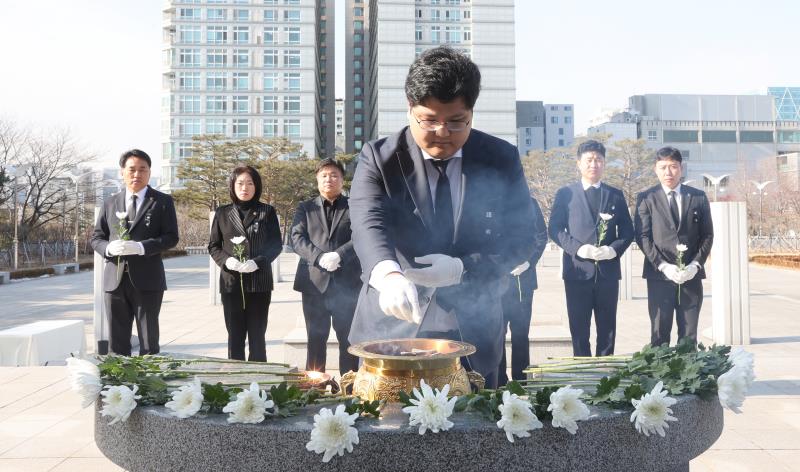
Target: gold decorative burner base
396, 365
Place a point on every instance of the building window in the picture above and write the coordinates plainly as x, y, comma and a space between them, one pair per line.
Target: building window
271, 81
241, 104
358, 51
189, 13
291, 15
357, 144
270, 128
184, 150
270, 58
452, 15
716, 136
291, 105
418, 33
216, 34
358, 104
189, 34
291, 81
270, 104
216, 126
291, 2
756, 136
467, 33
291, 58
241, 128
527, 141
292, 34
270, 2
291, 128
189, 57
467, 14
270, 15
241, 34
679, 136
357, 25
554, 120
453, 2
561, 131
435, 34
358, 11
216, 14
271, 35
188, 127
189, 104
357, 37
216, 58
652, 135
216, 104
358, 131
241, 58
189, 80
241, 15
560, 143
452, 34
241, 81
435, 15
419, 13
553, 108
567, 120
216, 81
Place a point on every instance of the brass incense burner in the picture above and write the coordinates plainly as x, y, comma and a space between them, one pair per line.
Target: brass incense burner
395, 365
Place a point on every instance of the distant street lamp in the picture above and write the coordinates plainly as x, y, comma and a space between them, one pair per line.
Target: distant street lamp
77, 205
760, 186
686, 182
715, 181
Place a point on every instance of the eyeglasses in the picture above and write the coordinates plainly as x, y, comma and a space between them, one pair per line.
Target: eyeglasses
433, 125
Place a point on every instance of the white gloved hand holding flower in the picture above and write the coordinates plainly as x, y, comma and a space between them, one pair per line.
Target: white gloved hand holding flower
518, 270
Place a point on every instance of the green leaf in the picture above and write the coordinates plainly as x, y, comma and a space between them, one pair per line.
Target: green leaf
515, 388
215, 397
404, 398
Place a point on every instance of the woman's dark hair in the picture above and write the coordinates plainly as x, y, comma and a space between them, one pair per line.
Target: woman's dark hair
239, 170
134, 153
592, 146
669, 153
444, 74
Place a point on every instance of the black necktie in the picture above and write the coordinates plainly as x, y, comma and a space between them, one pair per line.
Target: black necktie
132, 211
673, 208
593, 197
444, 203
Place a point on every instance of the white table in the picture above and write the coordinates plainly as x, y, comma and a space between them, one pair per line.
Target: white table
41, 342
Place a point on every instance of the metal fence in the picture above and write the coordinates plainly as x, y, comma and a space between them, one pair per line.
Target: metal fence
774, 244
38, 254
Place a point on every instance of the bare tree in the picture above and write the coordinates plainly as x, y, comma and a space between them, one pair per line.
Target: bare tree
546, 172
629, 167
12, 143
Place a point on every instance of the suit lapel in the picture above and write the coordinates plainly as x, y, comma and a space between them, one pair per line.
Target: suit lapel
341, 205
250, 216
662, 204
236, 220
413, 167
604, 194
686, 200
470, 166
319, 213
578, 190
149, 200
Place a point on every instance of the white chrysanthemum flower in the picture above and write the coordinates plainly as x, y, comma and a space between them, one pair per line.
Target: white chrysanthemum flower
187, 400
431, 410
121, 214
238, 240
250, 406
653, 411
732, 388
84, 378
518, 418
681, 247
118, 402
567, 408
744, 360
606, 216
333, 433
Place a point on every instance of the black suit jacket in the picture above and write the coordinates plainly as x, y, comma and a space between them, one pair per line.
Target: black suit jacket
572, 225
527, 280
311, 238
393, 219
262, 244
658, 237
155, 226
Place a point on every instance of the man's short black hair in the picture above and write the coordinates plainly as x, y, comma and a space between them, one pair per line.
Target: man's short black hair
669, 153
239, 170
329, 161
134, 153
592, 146
444, 74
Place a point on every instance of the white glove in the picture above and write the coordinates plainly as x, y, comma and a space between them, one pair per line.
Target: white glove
587, 251
520, 268
330, 261
444, 271
133, 248
398, 298
672, 272
233, 264
248, 266
688, 273
605, 253
115, 248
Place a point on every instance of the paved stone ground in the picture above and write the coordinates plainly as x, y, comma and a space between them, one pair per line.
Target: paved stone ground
42, 426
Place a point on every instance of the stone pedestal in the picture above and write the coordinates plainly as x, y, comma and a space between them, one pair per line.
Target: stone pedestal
626, 281
101, 328
730, 286
151, 439
213, 272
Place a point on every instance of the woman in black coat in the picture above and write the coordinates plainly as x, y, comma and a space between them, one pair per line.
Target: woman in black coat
246, 279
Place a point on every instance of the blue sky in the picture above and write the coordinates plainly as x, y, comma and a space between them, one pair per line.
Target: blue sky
94, 66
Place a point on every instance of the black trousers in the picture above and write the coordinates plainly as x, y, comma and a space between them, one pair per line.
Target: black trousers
335, 306
517, 308
246, 323
662, 302
125, 304
584, 297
